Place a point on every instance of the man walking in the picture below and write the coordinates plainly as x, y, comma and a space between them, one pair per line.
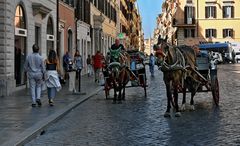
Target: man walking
151, 64
97, 65
89, 66
35, 69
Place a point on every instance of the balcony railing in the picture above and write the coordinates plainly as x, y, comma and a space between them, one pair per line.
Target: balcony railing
189, 22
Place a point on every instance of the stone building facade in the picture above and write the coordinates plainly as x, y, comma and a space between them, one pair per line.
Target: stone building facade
66, 30
23, 23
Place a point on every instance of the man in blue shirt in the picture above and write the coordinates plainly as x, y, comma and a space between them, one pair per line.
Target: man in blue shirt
35, 68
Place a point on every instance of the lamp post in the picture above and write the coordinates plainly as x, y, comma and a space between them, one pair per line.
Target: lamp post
76, 7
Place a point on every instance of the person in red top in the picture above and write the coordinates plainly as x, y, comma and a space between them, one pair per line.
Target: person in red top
97, 65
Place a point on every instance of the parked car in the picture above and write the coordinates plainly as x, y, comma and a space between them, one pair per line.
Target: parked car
237, 57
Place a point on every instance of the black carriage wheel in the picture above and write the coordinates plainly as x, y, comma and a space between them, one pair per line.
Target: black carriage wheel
215, 90
145, 90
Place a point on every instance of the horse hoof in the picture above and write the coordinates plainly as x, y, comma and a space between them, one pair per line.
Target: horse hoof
177, 114
167, 115
192, 107
183, 107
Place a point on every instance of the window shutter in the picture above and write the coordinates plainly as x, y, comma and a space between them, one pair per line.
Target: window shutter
214, 33
87, 12
214, 12
231, 33
193, 11
206, 12
232, 11
224, 33
185, 15
206, 33
224, 12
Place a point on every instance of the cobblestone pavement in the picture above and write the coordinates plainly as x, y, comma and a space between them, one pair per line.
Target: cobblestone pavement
17, 115
139, 121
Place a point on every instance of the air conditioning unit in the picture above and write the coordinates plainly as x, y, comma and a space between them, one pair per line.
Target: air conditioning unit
50, 37
20, 32
189, 20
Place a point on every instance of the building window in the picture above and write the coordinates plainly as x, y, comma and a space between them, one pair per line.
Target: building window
227, 33
189, 15
189, 2
211, 33
50, 35
228, 12
70, 2
20, 46
38, 36
189, 33
70, 40
210, 12
95, 3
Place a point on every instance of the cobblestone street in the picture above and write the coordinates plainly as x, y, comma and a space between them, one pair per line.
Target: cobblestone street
139, 121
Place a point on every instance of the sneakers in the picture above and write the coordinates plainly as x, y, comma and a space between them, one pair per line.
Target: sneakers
34, 105
39, 102
50, 101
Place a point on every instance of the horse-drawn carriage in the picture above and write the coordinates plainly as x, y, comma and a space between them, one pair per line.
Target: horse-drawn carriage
129, 67
183, 68
207, 67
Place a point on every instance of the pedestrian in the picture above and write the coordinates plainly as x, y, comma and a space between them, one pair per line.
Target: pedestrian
35, 69
78, 63
52, 76
233, 57
66, 67
89, 66
151, 64
97, 65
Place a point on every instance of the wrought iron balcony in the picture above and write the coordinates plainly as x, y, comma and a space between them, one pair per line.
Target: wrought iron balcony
189, 22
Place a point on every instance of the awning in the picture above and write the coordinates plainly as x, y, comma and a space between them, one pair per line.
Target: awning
213, 46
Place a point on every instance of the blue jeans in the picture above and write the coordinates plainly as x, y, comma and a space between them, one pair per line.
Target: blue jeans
51, 92
151, 68
35, 88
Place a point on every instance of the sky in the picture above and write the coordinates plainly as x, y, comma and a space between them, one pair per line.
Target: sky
149, 10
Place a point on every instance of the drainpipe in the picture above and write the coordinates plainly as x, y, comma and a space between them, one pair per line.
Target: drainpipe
57, 29
197, 18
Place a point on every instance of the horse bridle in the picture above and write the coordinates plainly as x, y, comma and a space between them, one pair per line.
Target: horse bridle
179, 64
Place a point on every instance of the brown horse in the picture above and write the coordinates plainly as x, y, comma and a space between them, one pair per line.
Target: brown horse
119, 75
178, 64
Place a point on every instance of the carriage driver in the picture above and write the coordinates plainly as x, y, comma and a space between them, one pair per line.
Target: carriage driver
117, 45
115, 50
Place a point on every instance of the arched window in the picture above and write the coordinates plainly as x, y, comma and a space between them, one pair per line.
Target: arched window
70, 40
20, 17
50, 35
20, 45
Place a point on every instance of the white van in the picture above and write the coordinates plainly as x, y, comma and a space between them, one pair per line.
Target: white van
237, 56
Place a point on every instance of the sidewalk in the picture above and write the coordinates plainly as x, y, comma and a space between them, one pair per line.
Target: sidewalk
20, 122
